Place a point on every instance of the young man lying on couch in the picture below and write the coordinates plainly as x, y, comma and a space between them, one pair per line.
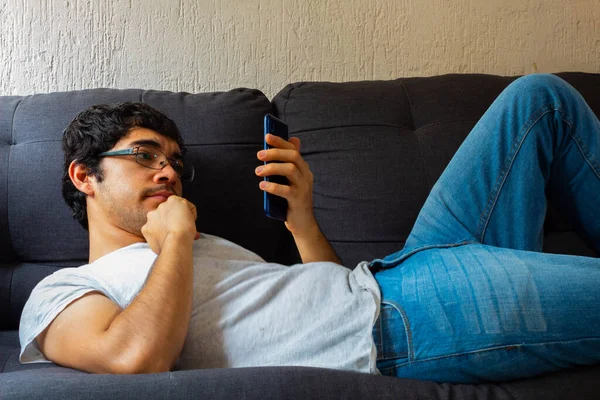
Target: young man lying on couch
469, 298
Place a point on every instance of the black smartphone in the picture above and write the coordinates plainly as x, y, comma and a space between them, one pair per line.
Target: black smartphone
275, 206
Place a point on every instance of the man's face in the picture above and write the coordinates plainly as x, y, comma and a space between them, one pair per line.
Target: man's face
130, 190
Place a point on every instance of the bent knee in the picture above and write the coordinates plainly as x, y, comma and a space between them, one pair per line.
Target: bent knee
540, 84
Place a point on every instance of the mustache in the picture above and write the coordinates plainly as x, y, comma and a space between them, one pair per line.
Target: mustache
161, 188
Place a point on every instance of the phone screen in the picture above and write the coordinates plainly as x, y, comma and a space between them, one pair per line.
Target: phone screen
275, 206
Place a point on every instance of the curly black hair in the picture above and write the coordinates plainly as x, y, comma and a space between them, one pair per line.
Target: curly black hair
96, 130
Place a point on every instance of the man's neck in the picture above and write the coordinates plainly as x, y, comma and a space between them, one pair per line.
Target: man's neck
106, 239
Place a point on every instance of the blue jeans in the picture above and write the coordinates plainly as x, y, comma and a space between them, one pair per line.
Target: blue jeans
471, 298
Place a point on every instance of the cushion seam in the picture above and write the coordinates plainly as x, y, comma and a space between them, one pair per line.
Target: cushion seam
354, 126
6, 361
454, 121
12, 123
410, 108
416, 137
422, 158
9, 297
12, 143
8, 231
289, 98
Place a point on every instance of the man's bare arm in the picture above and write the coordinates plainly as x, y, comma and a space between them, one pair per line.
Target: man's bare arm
314, 246
93, 334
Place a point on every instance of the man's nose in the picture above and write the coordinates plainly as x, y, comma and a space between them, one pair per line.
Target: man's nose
167, 173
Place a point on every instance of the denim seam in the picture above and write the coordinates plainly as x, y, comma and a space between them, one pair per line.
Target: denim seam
422, 159
407, 330
588, 156
420, 248
503, 347
379, 333
503, 174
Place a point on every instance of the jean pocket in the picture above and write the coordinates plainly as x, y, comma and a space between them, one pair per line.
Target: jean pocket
390, 334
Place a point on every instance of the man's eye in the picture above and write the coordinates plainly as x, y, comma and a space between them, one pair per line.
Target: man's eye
177, 166
144, 155
176, 163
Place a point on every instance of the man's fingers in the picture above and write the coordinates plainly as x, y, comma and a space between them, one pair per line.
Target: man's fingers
289, 155
289, 170
276, 141
285, 156
284, 191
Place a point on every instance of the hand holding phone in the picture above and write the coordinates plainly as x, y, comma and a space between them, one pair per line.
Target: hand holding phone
275, 206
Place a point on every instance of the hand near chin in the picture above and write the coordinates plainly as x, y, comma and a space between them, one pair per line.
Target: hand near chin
174, 218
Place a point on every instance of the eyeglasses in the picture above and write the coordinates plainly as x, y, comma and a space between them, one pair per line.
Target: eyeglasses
152, 158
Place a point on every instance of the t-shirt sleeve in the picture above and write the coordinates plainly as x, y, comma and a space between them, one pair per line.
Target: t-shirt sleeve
52, 295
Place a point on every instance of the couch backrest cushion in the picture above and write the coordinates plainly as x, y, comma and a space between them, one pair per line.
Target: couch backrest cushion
376, 149
223, 132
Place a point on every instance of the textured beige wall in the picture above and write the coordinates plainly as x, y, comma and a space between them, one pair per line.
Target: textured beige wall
207, 45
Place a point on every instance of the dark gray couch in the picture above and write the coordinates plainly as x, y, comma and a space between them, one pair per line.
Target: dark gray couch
375, 148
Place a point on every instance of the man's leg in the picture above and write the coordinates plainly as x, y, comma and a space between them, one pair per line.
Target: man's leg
497, 309
538, 134
478, 313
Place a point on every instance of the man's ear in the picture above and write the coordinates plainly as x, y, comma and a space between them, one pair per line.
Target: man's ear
80, 178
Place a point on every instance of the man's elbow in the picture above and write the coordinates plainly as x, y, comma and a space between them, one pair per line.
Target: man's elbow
142, 365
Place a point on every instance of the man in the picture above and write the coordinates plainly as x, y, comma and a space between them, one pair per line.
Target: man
470, 297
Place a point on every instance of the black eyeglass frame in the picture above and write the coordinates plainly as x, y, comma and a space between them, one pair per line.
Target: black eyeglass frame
187, 176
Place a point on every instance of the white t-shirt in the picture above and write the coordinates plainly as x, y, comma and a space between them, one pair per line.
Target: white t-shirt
245, 312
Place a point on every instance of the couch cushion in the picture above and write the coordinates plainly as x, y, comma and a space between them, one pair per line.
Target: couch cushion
9, 355
20, 279
376, 149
